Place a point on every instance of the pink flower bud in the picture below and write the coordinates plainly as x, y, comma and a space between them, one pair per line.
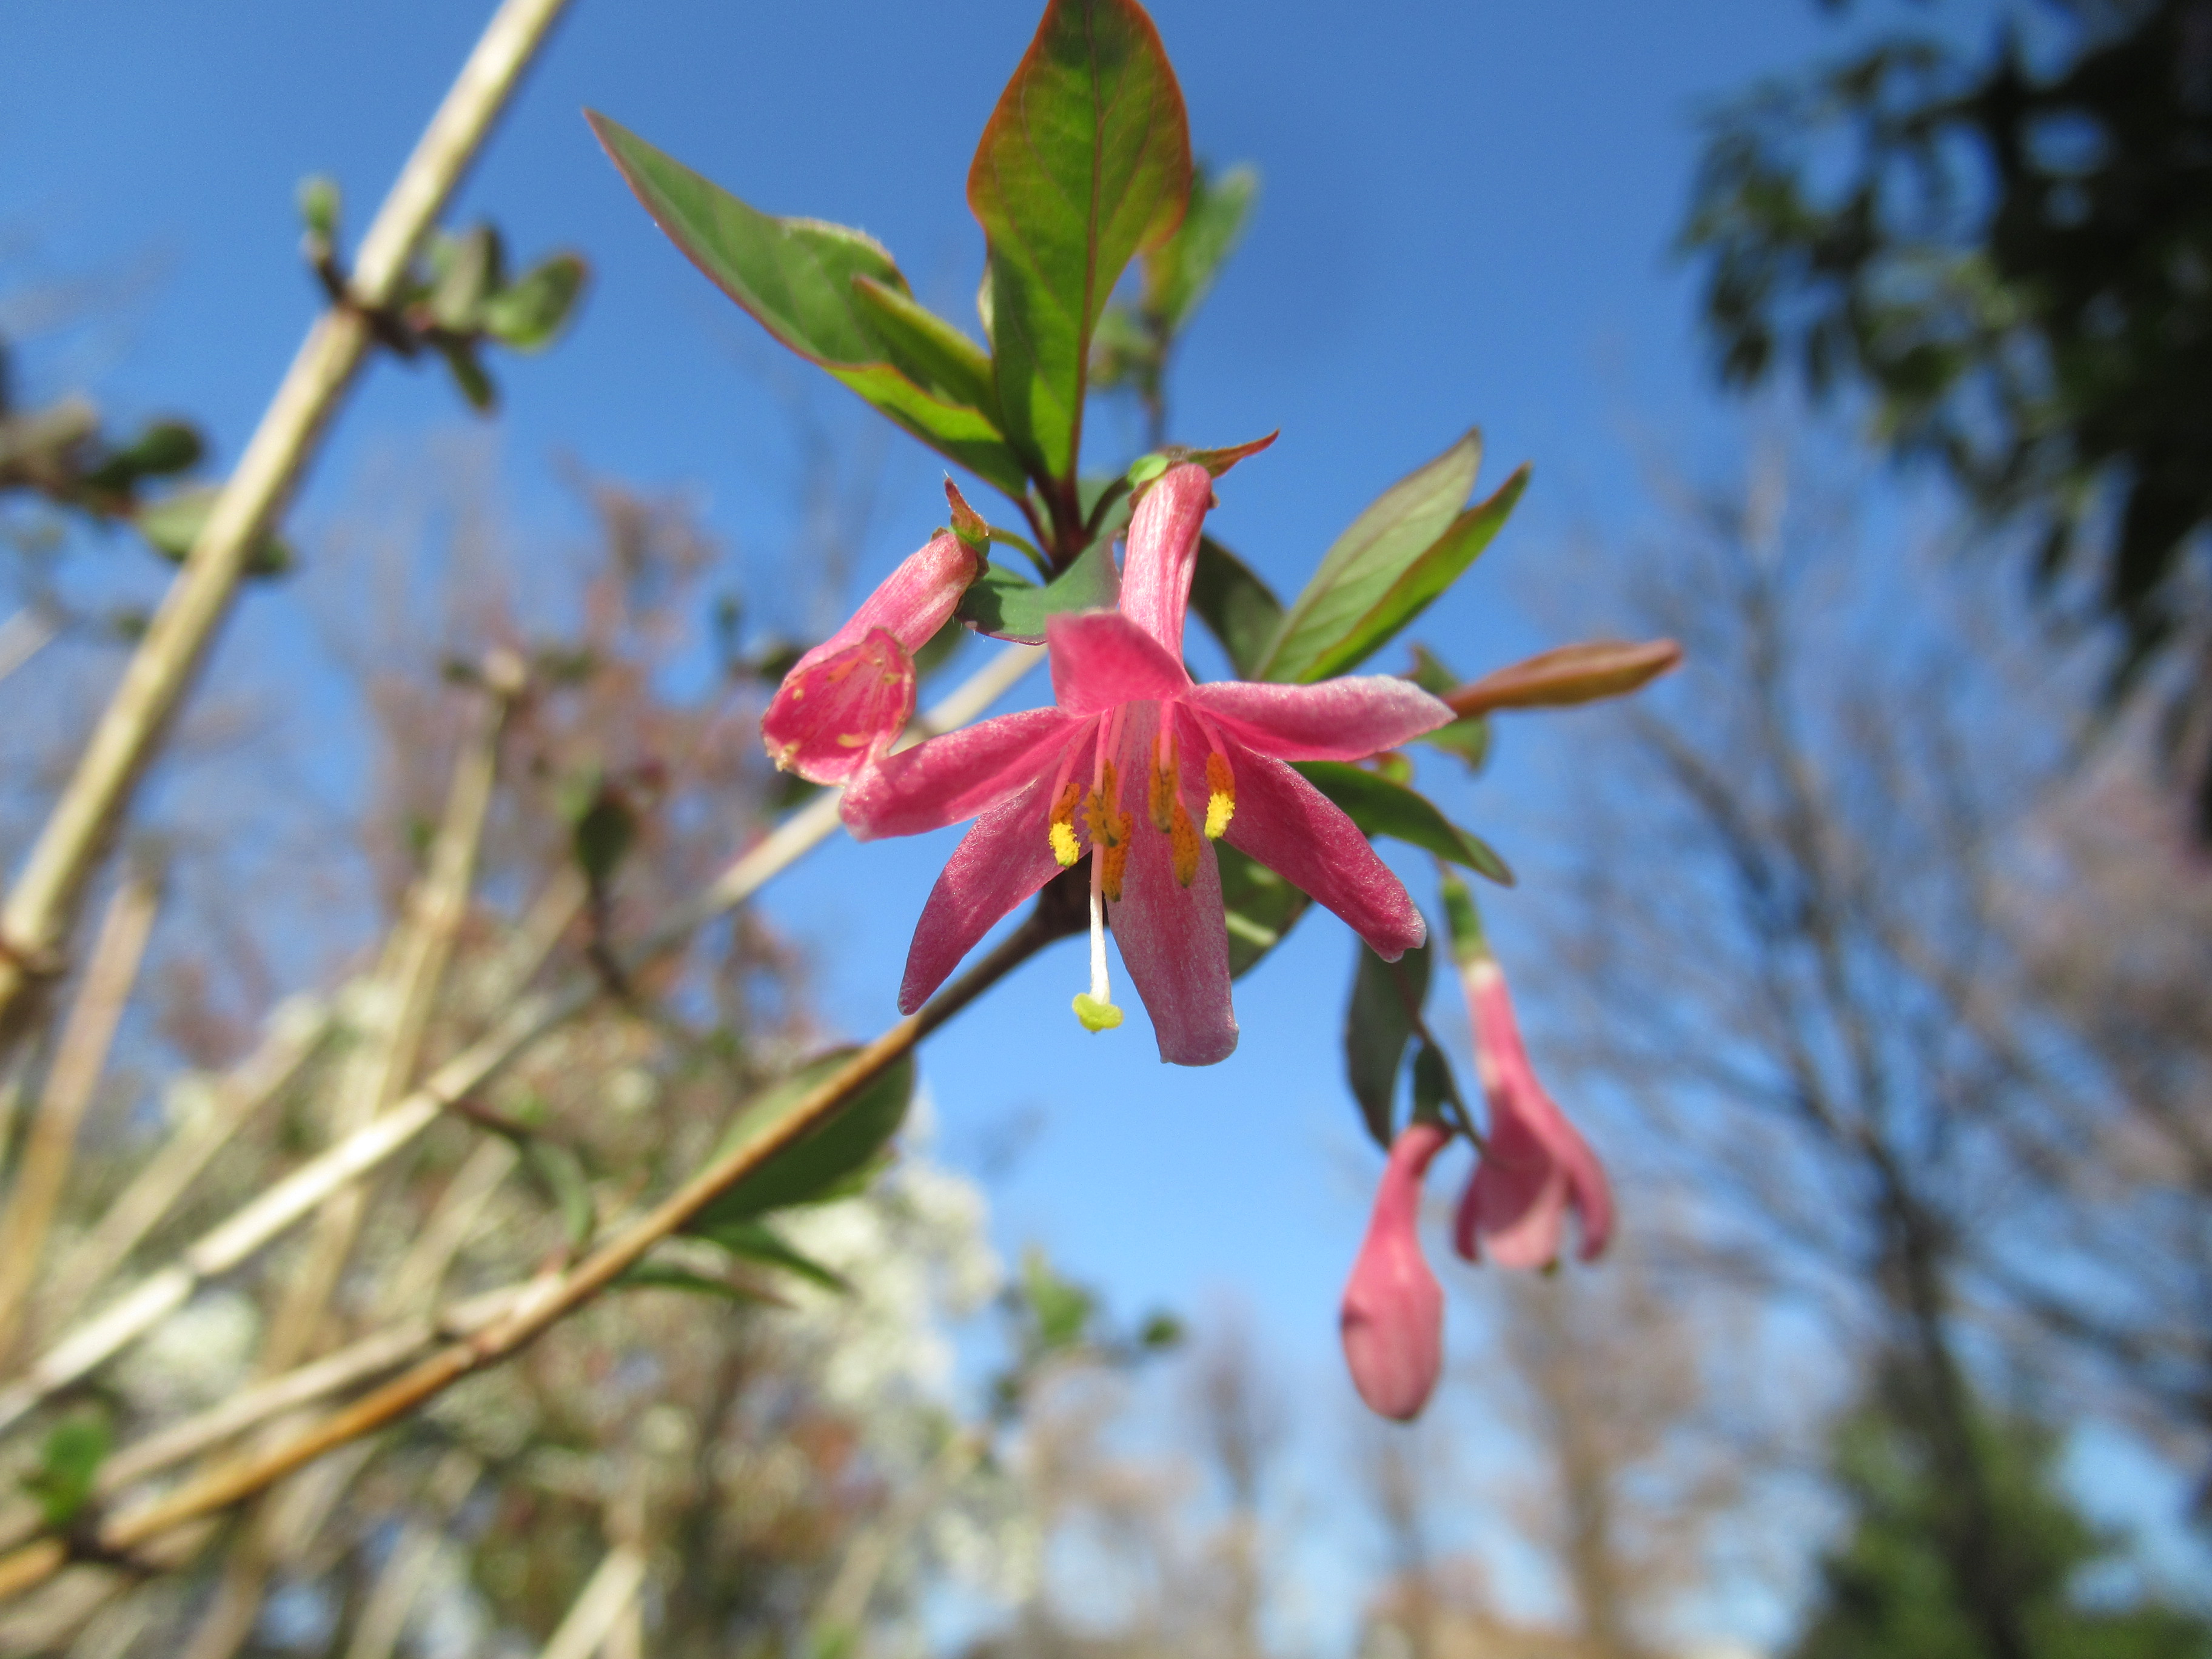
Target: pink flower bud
1393, 1318
844, 702
1534, 1167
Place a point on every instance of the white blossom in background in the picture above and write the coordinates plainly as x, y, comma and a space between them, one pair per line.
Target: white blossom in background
914, 1251
194, 1359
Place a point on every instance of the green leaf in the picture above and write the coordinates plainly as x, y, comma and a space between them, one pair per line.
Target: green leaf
1400, 524
1469, 737
1009, 606
1122, 350
318, 206
927, 348
1107, 505
819, 1166
663, 1276
528, 312
1259, 906
756, 1241
1180, 271
1434, 1086
1237, 608
1084, 163
1061, 1309
172, 524
469, 375
1384, 808
796, 277
69, 1466
1161, 1330
165, 447
1378, 1024
470, 267
1438, 567
559, 1174
1462, 920
602, 834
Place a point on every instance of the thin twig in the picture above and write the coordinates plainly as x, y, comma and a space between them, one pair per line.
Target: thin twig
558, 1295
294, 1030
71, 1081
407, 1569
417, 952
592, 1616
41, 905
299, 1193
380, 1066
24, 634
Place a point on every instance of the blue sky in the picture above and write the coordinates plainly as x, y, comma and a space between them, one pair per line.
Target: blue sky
1465, 220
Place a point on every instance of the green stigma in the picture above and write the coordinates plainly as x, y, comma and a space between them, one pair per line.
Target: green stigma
1096, 1014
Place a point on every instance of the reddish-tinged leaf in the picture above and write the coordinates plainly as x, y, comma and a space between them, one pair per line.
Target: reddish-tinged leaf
1395, 530
1085, 164
968, 524
1218, 461
1572, 674
801, 279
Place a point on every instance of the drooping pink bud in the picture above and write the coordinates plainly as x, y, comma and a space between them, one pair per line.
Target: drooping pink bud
1393, 1318
844, 702
1534, 1166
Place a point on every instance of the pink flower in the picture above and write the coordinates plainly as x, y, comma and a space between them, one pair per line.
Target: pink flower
844, 702
1534, 1166
1146, 770
1393, 1318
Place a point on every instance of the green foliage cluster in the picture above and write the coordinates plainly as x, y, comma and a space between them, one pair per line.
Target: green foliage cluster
1885, 1591
2015, 259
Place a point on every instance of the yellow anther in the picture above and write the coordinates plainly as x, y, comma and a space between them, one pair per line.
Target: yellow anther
1065, 847
1220, 795
1182, 845
1096, 1016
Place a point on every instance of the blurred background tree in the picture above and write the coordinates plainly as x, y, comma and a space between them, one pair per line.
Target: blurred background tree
2006, 251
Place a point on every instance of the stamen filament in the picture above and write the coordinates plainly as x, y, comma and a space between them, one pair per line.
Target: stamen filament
1095, 1008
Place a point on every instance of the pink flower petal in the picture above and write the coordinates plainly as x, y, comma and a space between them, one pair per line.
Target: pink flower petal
1100, 657
1516, 1203
1537, 1165
1345, 720
955, 776
1303, 836
1174, 939
1393, 1316
1002, 860
1163, 553
834, 712
915, 600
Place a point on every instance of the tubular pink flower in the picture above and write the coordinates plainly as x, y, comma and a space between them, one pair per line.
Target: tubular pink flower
1145, 769
1393, 1317
844, 702
1534, 1166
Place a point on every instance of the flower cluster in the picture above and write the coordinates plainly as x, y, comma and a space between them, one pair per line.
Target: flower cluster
1532, 1168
